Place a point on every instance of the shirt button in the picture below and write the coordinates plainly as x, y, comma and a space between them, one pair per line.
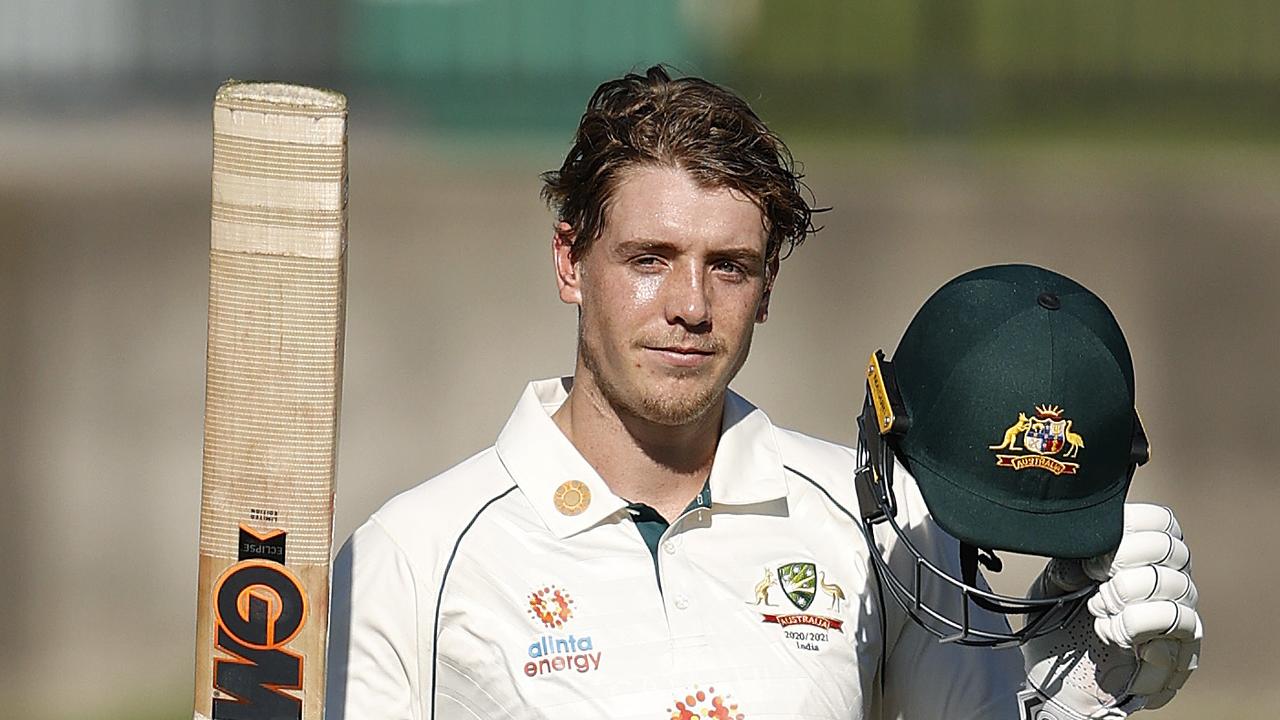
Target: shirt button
669, 547
682, 603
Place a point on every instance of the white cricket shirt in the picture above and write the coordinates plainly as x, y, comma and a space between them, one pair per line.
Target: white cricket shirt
516, 585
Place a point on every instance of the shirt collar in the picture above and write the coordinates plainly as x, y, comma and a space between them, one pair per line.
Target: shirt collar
748, 464
541, 460
747, 467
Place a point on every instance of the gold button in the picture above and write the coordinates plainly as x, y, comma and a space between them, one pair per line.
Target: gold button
572, 497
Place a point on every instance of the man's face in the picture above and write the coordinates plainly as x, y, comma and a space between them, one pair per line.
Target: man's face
669, 294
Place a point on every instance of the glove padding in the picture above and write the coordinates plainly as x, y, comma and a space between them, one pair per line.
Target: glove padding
1137, 640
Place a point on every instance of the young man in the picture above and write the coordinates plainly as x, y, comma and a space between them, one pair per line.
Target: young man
641, 542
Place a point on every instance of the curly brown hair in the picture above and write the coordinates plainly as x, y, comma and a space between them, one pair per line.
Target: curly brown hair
687, 123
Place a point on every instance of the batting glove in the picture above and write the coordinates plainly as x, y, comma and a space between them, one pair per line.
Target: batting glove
1139, 639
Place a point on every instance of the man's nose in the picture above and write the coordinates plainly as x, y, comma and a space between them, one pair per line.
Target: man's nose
687, 302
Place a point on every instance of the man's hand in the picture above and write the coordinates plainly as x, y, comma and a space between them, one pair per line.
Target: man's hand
1140, 637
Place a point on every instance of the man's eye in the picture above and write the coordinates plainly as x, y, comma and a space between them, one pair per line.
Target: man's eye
647, 260
731, 268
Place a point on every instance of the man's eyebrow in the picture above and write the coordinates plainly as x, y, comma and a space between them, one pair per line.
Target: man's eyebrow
747, 255
744, 255
639, 245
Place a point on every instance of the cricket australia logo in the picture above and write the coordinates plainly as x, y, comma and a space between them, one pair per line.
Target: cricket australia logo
801, 583
798, 581
1043, 435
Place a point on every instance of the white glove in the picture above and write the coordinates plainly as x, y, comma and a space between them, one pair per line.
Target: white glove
1140, 637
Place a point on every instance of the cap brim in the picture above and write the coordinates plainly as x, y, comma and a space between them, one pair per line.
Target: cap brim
1077, 533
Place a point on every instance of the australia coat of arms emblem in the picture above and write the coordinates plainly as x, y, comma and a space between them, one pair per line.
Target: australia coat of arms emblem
1044, 434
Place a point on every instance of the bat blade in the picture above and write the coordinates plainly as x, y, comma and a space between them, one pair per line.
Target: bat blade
277, 297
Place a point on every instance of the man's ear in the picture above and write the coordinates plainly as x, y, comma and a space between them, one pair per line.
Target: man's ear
771, 274
568, 276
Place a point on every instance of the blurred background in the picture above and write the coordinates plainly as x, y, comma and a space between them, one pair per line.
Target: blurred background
1131, 144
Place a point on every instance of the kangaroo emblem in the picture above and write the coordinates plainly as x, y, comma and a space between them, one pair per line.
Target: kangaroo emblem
762, 588
1011, 435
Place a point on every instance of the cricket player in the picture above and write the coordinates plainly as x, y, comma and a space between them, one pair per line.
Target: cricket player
642, 542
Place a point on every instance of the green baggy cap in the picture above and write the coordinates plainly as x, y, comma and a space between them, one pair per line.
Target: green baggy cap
1019, 388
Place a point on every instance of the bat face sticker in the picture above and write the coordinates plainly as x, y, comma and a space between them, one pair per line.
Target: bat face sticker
259, 608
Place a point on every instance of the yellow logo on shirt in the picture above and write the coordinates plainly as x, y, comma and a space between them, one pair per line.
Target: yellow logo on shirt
573, 497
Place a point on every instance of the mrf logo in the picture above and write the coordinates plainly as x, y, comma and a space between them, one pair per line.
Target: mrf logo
259, 608
1043, 435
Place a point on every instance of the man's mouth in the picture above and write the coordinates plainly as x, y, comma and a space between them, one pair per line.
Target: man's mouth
681, 355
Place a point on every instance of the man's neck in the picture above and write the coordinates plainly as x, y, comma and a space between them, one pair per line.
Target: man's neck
662, 466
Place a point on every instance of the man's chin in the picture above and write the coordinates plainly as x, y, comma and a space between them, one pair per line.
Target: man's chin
681, 404
665, 395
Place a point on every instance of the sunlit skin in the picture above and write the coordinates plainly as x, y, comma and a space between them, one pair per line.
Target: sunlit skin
669, 295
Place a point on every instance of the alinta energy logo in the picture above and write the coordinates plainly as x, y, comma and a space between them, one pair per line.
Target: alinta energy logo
700, 704
553, 608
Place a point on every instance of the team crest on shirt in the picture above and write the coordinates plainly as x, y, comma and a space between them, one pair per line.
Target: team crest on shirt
552, 608
1044, 434
800, 598
798, 580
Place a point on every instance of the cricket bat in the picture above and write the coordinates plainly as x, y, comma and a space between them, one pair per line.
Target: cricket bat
277, 297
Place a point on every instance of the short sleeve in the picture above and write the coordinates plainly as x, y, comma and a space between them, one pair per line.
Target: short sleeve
374, 640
